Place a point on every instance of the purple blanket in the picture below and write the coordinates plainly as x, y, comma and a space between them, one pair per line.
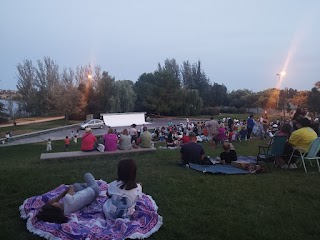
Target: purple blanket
90, 222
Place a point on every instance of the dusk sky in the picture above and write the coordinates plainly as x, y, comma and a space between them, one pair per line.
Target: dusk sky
241, 44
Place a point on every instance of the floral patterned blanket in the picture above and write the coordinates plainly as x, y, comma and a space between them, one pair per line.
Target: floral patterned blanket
90, 222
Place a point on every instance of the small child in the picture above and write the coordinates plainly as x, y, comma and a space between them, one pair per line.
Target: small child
49, 146
229, 154
67, 143
123, 193
72, 135
75, 138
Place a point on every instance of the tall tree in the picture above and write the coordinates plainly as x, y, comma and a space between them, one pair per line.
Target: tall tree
123, 96
3, 114
104, 92
47, 83
217, 95
194, 77
301, 98
26, 86
170, 66
67, 96
191, 103
314, 99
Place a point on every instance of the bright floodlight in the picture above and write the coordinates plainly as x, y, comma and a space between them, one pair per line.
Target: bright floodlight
283, 73
90, 76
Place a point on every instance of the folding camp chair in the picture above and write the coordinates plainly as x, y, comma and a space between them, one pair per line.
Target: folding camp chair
310, 154
276, 148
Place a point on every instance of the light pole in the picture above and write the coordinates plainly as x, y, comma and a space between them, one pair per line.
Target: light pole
281, 74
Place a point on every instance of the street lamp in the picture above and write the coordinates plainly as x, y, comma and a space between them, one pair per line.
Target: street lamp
281, 74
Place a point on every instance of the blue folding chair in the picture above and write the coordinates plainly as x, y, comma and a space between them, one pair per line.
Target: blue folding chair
276, 148
310, 154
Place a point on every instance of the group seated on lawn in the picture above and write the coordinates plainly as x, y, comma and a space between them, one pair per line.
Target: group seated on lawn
300, 133
215, 131
111, 141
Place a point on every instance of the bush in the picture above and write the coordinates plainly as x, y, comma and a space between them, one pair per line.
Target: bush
232, 110
3, 120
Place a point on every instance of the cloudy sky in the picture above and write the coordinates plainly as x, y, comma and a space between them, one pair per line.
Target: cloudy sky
242, 44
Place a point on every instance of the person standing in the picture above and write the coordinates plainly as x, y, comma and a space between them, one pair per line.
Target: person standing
49, 146
250, 125
133, 133
67, 143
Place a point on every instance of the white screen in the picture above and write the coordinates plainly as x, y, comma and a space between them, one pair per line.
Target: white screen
123, 119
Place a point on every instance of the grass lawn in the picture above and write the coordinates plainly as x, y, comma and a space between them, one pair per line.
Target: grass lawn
277, 205
33, 127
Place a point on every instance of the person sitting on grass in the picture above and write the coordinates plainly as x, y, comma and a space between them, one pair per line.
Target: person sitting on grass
185, 138
125, 140
89, 141
75, 197
229, 154
192, 152
110, 140
145, 138
124, 192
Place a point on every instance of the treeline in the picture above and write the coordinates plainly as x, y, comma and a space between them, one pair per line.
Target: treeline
172, 89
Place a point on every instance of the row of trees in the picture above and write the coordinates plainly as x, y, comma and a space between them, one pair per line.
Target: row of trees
172, 89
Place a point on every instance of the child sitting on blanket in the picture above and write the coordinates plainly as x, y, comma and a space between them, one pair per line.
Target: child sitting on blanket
124, 192
229, 154
75, 197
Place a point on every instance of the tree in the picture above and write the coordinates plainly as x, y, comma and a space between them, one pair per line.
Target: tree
191, 103
239, 98
314, 99
170, 66
67, 96
193, 77
301, 98
3, 114
158, 92
104, 92
26, 86
47, 82
145, 87
217, 95
123, 97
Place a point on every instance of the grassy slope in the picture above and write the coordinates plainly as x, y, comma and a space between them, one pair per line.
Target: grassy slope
278, 205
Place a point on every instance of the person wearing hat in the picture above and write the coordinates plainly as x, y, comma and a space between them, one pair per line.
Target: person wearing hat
89, 141
192, 152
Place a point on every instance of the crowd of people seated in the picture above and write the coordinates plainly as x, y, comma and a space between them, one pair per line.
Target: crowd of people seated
223, 131
113, 140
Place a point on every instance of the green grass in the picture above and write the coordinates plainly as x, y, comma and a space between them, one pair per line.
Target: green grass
277, 205
32, 127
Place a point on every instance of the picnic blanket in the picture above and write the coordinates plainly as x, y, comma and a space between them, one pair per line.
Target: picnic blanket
249, 159
90, 222
217, 169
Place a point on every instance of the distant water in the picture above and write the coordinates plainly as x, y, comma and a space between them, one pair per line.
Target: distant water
6, 102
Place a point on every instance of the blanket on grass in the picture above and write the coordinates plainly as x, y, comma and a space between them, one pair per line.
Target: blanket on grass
90, 222
217, 169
